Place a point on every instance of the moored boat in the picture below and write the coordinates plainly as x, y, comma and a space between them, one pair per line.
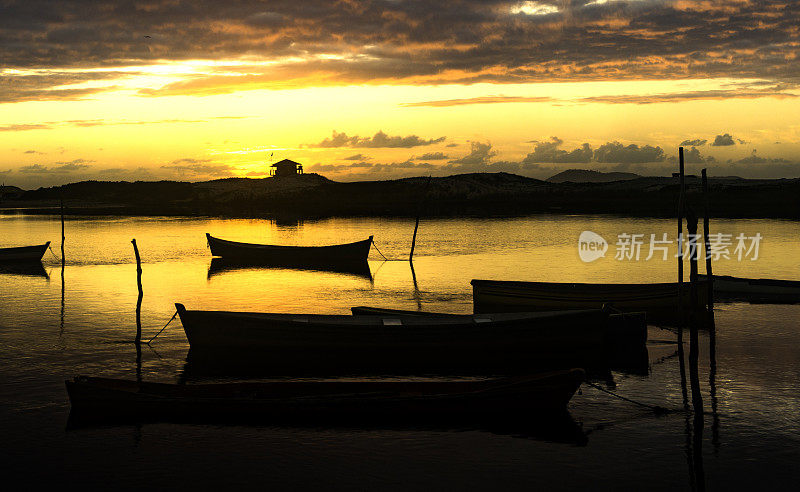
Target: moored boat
395, 336
351, 399
761, 290
657, 300
620, 328
24, 253
268, 254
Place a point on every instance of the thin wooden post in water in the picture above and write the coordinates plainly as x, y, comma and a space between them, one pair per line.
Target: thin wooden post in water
681, 206
141, 293
416, 223
707, 243
694, 378
62, 238
63, 264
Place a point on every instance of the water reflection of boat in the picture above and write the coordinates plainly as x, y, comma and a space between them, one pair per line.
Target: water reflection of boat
657, 300
308, 256
469, 337
222, 265
762, 290
544, 392
27, 268
23, 253
618, 329
555, 427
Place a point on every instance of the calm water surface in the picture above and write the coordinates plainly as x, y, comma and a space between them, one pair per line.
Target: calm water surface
750, 435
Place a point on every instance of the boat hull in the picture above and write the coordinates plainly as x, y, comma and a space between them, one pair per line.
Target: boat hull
381, 338
355, 254
727, 288
656, 300
24, 253
359, 400
621, 328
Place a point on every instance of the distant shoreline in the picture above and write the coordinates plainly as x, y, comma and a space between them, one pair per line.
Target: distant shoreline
311, 196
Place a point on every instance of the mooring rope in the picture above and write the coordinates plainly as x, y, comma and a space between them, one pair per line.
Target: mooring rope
379, 252
162, 329
54, 253
656, 408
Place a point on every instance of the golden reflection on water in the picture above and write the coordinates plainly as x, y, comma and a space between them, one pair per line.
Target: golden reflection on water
450, 252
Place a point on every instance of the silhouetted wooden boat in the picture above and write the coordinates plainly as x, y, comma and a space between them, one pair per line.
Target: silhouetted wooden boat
620, 328
24, 253
761, 290
406, 337
655, 299
545, 392
357, 269
268, 254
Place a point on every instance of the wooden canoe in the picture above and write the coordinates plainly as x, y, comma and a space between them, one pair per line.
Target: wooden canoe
620, 328
267, 254
655, 299
352, 399
761, 290
395, 336
24, 253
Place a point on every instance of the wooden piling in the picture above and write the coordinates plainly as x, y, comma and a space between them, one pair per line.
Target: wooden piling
695, 316
416, 222
707, 243
681, 207
63, 260
141, 293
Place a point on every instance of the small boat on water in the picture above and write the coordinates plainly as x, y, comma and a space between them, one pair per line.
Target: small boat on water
656, 300
350, 399
403, 337
24, 253
620, 328
761, 290
267, 254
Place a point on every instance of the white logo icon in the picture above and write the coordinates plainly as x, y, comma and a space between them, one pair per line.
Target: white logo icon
591, 246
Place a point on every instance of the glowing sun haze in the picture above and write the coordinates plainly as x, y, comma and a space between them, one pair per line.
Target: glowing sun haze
191, 90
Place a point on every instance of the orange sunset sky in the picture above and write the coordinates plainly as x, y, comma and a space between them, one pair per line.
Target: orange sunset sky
195, 90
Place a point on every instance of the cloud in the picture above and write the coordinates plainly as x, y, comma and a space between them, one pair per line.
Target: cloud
694, 143
548, 151
24, 127
723, 140
480, 100
198, 167
356, 157
708, 95
479, 155
431, 156
59, 168
379, 140
615, 152
692, 156
319, 42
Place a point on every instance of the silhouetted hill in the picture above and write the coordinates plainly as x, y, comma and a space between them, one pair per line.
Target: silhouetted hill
478, 194
589, 176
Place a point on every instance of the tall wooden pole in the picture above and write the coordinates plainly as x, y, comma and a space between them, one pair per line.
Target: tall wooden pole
707, 243
63, 264
694, 379
141, 293
681, 207
416, 223
62, 237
